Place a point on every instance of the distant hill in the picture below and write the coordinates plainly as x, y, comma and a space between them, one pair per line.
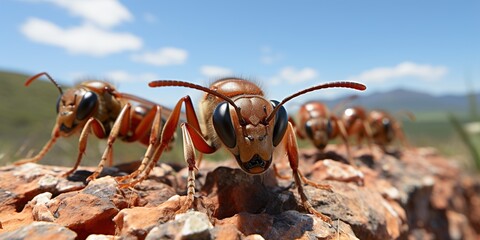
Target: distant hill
22, 108
411, 100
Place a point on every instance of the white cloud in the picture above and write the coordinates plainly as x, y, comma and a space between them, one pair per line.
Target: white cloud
123, 76
215, 71
149, 18
85, 39
404, 69
103, 13
268, 56
163, 57
292, 75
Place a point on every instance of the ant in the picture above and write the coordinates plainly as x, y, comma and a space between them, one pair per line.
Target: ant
319, 125
97, 106
385, 128
235, 114
356, 121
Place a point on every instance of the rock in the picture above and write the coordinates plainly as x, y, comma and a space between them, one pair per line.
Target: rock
233, 191
409, 194
287, 225
137, 222
102, 237
152, 193
190, 225
196, 225
19, 184
353, 205
41, 231
40, 210
90, 211
254, 237
230, 232
333, 170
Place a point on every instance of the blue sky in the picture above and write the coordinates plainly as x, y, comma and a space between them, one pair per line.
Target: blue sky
431, 45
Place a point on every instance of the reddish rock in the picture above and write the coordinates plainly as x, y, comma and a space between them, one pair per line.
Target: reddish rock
233, 191
40, 210
102, 237
363, 209
288, 225
228, 232
406, 194
152, 193
137, 222
20, 184
332, 170
90, 211
14, 220
41, 231
192, 225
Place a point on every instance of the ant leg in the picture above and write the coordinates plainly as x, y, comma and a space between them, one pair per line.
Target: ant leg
120, 127
198, 142
369, 133
145, 125
159, 143
192, 139
45, 149
152, 121
292, 153
153, 147
168, 133
343, 134
189, 154
82, 142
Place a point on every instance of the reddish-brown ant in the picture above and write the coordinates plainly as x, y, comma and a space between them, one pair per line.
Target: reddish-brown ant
357, 124
385, 128
98, 106
317, 124
235, 114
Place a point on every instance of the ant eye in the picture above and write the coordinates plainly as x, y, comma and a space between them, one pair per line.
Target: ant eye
223, 125
86, 105
281, 121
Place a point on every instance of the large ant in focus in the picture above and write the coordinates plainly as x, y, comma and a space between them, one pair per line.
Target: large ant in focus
319, 125
235, 114
97, 106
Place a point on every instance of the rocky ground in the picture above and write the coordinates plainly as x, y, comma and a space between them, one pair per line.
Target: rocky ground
412, 194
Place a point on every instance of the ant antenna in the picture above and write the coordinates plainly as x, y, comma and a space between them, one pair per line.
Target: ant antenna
343, 103
175, 83
31, 79
353, 85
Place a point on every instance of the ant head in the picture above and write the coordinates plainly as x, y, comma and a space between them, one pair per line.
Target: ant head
249, 136
74, 108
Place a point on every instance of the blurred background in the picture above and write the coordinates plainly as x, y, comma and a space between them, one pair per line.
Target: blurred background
417, 56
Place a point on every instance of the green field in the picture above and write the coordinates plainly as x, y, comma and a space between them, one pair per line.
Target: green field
441, 135
28, 115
